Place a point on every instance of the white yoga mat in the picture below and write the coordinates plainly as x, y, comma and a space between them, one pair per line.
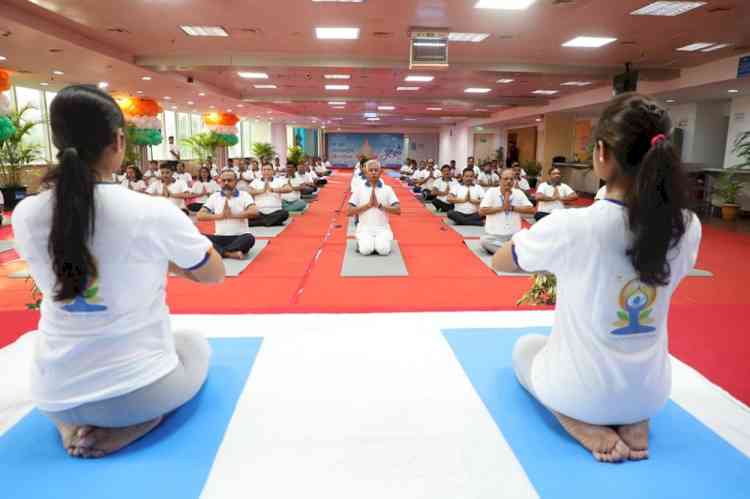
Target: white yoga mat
471, 231
270, 231
476, 247
233, 268
357, 265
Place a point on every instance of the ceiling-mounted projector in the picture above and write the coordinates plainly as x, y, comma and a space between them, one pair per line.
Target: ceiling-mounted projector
428, 48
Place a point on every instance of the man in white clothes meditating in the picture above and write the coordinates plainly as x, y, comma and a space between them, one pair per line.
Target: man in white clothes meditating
503, 206
553, 194
267, 192
373, 202
230, 209
466, 199
177, 191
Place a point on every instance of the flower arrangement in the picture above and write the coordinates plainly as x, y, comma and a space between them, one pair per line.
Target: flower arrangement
142, 115
7, 129
543, 291
223, 125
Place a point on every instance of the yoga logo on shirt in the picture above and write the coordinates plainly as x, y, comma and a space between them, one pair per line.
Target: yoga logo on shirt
87, 302
634, 313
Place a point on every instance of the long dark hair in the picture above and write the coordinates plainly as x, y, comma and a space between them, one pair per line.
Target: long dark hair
636, 130
200, 174
84, 122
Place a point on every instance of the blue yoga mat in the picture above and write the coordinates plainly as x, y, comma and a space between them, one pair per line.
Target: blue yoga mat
393, 174
687, 458
173, 461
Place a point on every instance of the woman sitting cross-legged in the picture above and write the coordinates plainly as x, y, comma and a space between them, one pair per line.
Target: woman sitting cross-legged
605, 371
107, 368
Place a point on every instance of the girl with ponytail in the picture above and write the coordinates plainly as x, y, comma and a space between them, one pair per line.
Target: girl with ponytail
604, 371
106, 365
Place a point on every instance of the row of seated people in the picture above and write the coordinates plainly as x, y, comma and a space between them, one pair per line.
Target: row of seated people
499, 208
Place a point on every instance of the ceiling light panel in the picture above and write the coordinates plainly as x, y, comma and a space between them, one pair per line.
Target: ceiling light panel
337, 33
505, 80
477, 90
718, 46
204, 31
407, 89
667, 8
694, 47
544, 92
418, 78
337, 87
589, 42
504, 4
337, 77
468, 37
248, 75
265, 86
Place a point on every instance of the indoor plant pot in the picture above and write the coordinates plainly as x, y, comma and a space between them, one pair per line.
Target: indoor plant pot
15, 154
727, 188
729, 212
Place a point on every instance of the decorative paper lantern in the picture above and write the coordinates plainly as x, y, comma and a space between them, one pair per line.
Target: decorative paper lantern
7, 129
142, 114
223, 126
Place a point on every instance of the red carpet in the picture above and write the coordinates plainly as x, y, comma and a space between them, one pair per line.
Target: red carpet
299, 273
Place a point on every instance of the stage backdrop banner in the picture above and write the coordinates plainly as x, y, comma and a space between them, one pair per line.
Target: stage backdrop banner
344, 149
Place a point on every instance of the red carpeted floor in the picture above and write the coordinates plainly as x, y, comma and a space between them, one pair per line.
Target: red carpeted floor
299, 273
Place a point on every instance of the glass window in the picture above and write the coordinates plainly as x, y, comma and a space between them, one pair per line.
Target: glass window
33, 98
183, 132
261, 131
196, 122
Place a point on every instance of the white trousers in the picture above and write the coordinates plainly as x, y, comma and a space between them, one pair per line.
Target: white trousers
371, 241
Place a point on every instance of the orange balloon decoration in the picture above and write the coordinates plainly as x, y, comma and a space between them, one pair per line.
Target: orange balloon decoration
220, 118
138, 106
4, 80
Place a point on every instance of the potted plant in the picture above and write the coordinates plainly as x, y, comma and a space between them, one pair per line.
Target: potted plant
203, 145
264, 152
742, 150
727, 188
543, 291
295, 156
533, 168
15, 153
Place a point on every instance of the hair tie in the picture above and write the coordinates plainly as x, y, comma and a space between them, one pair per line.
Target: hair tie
658, 138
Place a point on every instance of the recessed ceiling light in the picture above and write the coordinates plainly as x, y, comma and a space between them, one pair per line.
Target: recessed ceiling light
373, 119
269, 112
202, 94
103, 84
575, 83
146, 78
670, 101
337, 103
481, 110
467, 37
589, 42
694, 47
337, 77
545, 92
504, 4
386, 108
428, 44
265, 86
337, 33
434, 108
3, 58
667, 8
204, 31
410, 119
338, 1
718, 46
240, 105
538, 120
505, 80
338, 107
252, 76
370, 115
733, 91
282, 102
477, 90
212, 107
139, 92
419, 78
174, 107
337, 87
190, 103
166, 97
407, 89
57, 72
44, 84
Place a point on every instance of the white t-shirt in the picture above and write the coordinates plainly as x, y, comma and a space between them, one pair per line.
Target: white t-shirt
373, 219
2, 199
174, 151
118, 177
476, 193
549, 190
606, 361
238, 203
503, 224
601, 193
244, 179
440, 185
429, 178
136, 185
293, 196
406, 169
176, 187
211, 186
117, 337
268, 202
357, 181
214, 172
489, 178
185, 177
523, 184
320, 169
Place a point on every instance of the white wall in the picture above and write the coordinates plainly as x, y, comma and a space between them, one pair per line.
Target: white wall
278, 139
684, 116
445, 149
709, 145
739, 122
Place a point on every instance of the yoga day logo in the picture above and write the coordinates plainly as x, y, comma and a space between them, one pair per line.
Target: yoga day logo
634, 313
87, 302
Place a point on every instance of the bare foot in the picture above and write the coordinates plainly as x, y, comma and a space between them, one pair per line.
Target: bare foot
68, 435
98, 442
635, 436
235, 255
603, 442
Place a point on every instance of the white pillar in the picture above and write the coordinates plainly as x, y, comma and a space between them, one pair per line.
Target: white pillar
278, 139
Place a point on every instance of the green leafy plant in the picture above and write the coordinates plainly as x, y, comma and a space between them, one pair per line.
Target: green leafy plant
543, 291
742, 150
295, 156
132, 153
533, 168
202, 144
36, 296
264, 152
728, 186
15, 152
